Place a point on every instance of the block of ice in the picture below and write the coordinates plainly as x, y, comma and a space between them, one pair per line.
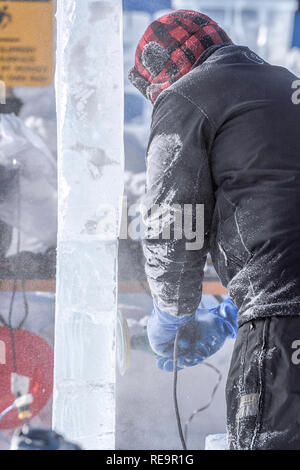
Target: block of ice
90, 95
216, 442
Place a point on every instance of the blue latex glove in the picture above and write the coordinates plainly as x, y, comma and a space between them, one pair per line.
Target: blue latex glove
201, 334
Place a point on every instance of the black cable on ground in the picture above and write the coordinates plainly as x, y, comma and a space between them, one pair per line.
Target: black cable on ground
184, 435
205, 407
175, 375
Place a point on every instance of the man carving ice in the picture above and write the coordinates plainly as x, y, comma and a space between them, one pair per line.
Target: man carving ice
225, 133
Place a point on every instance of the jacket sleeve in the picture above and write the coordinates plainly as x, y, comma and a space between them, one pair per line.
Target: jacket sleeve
179, 197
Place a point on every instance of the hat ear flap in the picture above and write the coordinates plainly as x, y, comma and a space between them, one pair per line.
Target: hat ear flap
139, 82
154, 58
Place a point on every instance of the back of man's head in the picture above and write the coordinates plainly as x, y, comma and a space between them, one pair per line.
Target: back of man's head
169, 48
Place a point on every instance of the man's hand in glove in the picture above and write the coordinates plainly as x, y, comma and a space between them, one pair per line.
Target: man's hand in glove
201, 334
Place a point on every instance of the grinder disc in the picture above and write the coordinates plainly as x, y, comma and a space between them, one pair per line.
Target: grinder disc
123, 344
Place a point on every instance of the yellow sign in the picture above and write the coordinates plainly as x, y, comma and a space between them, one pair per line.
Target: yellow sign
26, 42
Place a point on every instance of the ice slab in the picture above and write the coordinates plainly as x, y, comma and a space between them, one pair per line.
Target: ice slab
90, 95
216, 442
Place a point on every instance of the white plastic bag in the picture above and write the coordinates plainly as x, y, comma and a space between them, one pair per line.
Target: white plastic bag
22, 149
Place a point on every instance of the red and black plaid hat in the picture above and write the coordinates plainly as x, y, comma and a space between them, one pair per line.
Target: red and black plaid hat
170, 47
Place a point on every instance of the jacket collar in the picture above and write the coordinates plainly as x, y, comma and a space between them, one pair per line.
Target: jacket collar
208, 52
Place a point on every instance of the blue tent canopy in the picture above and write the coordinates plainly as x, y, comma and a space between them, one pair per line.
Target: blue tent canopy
150, 6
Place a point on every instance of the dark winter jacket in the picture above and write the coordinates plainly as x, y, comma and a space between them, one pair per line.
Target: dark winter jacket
227, 135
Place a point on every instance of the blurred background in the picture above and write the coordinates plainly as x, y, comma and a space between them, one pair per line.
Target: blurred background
28, 197
28, 206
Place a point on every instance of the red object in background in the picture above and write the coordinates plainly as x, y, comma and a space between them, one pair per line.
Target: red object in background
34, 360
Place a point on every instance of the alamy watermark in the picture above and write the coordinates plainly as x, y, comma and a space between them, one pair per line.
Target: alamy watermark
296, 354
160, 222
296, 93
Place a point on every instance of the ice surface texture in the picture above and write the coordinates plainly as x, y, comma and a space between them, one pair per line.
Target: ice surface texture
89, 91
216, 442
